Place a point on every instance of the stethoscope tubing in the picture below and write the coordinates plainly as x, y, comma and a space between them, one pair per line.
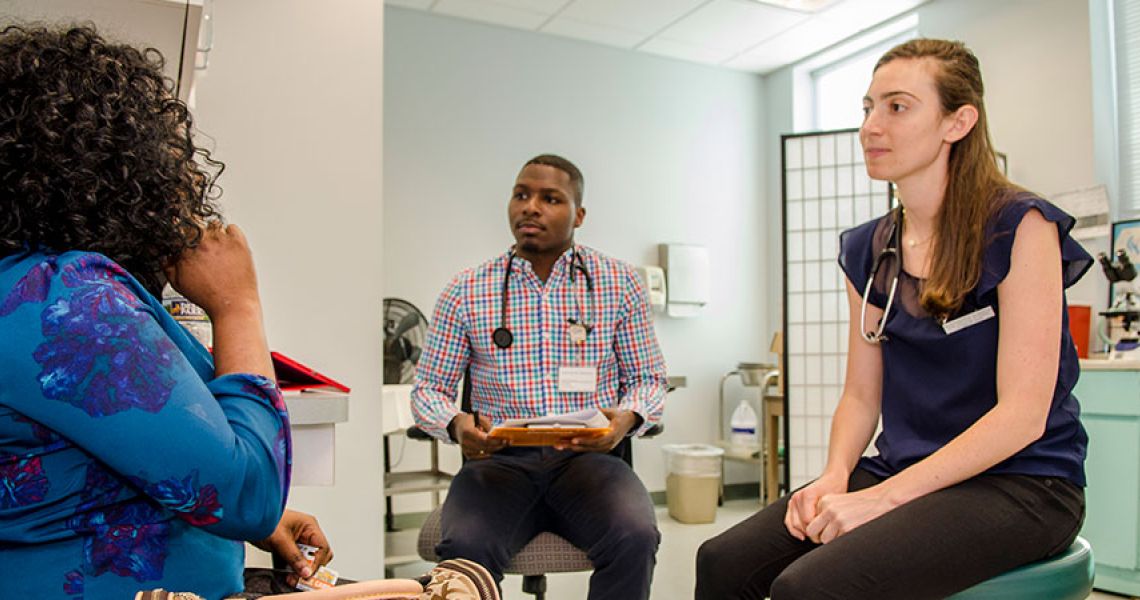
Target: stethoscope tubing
891, 249
502, 336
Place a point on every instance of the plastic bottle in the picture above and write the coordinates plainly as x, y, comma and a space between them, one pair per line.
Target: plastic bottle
744, 427
189, 315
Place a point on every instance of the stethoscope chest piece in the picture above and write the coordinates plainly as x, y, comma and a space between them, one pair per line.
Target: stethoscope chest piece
502, 337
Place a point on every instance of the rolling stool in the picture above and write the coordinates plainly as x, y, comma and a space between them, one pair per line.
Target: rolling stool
1067, 576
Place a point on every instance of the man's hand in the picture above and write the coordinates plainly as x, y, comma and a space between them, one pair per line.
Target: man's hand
297, 527
621, 423
473, 438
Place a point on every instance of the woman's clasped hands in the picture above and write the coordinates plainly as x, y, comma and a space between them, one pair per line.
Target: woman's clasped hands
824, 510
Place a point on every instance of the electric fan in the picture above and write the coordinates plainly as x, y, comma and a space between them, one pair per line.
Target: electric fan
404, 331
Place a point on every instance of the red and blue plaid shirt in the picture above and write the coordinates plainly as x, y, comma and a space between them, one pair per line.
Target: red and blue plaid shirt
522, 381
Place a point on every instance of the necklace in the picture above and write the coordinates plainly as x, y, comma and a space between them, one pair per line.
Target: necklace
913, 243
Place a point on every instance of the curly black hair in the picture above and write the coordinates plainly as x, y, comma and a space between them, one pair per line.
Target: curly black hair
96, 153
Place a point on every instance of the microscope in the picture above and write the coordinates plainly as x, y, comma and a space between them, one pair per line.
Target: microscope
1122, 320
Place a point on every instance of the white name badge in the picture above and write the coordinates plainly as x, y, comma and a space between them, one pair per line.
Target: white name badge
578, 379
965, 321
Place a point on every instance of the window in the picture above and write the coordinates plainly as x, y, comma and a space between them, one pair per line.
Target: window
838, 87
829, 86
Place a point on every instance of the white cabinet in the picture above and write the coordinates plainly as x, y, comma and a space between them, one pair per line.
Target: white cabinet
169, 26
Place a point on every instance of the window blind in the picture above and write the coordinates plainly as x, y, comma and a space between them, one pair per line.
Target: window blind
1126, 16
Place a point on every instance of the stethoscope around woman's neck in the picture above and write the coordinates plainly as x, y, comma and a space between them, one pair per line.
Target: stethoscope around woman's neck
890, 250
502, 336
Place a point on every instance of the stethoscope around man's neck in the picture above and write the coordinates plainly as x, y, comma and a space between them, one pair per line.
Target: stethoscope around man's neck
502, 336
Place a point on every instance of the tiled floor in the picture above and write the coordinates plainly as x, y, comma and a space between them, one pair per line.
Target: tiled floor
673, 578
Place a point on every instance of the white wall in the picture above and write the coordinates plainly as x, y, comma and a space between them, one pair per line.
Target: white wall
779, 116
1035, 62
293, 98
671, 152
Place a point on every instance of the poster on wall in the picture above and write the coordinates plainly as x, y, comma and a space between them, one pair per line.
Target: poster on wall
1126, 238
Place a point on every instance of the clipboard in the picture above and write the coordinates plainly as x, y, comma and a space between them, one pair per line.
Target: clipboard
545, 436
294, 376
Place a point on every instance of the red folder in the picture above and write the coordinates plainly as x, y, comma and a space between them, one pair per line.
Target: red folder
292, 376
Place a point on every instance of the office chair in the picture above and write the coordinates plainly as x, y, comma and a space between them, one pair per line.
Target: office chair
546, 552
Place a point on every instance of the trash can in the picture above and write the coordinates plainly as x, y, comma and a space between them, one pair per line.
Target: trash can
692, 481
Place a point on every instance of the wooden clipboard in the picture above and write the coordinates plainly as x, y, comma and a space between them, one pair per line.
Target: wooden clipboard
545, 436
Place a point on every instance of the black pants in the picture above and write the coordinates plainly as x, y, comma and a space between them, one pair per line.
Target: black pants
595, 501
932, 547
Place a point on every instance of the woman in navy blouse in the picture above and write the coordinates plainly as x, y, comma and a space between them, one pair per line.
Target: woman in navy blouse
959, 342
130, 458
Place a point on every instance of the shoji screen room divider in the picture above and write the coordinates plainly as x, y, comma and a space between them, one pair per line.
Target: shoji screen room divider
826, 190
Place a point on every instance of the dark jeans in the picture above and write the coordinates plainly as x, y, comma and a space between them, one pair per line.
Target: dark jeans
931, 547
595, 501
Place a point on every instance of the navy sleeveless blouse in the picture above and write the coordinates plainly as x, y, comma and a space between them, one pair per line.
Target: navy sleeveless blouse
935, 385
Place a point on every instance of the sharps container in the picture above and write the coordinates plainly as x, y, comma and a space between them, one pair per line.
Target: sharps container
692, 481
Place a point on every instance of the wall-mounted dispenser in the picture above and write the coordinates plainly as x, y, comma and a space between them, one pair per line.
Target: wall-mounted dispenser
653, 278
687, 267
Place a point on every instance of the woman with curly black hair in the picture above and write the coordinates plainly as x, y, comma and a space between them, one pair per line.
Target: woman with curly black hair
130, 458
96, 154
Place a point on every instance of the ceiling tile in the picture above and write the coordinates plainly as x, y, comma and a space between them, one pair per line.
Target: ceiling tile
491, 12
601, 34
739, 34
732, 25
546, 7
858, 15
808, 6
417, 4
646, 16
793, 45
683, 51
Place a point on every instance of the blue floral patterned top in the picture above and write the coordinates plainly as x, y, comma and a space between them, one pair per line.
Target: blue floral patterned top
124, 463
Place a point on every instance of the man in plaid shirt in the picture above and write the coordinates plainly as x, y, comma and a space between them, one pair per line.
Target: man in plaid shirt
567, 329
